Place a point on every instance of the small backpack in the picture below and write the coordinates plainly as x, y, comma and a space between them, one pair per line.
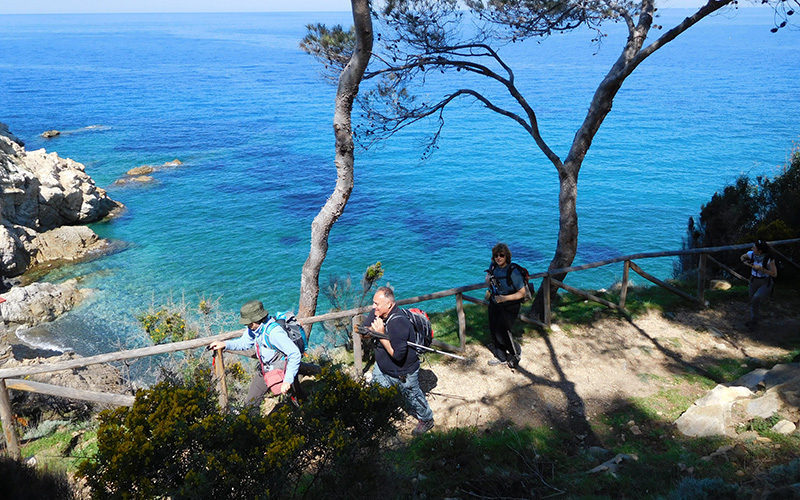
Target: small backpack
529, 288
296, 334
423, 331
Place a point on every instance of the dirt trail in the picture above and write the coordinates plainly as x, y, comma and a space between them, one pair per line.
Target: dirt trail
568, 378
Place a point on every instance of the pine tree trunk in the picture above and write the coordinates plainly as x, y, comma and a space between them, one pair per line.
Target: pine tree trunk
346, 92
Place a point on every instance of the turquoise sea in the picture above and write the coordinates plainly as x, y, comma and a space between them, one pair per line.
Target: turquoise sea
233, 98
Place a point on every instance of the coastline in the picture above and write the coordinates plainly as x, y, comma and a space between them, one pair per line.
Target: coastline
45, 203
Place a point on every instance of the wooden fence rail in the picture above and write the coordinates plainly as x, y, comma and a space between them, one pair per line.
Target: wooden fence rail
9, 376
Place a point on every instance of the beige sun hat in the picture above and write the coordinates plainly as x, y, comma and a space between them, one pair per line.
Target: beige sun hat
252, 312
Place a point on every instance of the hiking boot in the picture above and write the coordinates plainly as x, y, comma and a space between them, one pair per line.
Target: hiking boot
495, 362
499, 353
422, 427
513, 362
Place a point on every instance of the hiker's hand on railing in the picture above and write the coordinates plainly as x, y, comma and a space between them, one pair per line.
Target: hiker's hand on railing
217, 344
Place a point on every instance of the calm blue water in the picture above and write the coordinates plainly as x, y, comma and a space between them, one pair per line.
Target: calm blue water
233, 97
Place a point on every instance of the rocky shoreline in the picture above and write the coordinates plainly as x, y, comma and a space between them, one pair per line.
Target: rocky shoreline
45, 202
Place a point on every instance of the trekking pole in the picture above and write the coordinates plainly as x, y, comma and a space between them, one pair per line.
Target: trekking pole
371, 333
437, 351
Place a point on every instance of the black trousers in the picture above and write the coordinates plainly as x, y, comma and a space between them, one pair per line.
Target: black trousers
501, 318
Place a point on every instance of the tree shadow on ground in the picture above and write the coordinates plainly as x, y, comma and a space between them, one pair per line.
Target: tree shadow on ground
779, 327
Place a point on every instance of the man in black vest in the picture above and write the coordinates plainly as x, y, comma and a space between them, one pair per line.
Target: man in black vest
397, 364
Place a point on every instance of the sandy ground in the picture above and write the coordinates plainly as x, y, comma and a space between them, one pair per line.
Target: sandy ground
568, 378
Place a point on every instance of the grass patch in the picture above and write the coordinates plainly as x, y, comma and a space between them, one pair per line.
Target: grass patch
694, 378
729, 369
445, 325
666, 404
63, 447
573, 309
650, 377
736, 292
503, 462
763, 426
570, 308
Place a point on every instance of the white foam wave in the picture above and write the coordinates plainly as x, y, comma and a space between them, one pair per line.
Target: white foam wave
38, 342
90, 128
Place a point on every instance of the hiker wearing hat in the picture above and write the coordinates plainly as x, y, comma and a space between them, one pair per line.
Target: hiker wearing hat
396, 364
272, 344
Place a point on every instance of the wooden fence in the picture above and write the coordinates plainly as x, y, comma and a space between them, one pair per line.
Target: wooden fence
11, 378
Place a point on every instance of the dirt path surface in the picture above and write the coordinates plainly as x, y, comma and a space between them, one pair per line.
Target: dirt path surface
568, 378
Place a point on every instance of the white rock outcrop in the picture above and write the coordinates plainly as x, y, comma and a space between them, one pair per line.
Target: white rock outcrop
40, 302
759, 394
41, 192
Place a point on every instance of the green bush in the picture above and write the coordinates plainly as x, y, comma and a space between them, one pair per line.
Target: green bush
766, 208
175, 443
782, 475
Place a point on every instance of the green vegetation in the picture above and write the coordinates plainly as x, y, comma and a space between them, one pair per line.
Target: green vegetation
729, 369
766, 208
497, 463
164, 325
60, 444
175, 443
761, 425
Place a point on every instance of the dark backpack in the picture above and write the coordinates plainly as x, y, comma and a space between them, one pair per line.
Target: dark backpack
530, 290
423, 331
296, 334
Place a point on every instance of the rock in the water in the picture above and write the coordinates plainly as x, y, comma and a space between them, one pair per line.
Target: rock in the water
67, 243
143, 170
140, 175
140, 179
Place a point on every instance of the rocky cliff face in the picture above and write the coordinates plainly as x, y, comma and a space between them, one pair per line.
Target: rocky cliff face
43, 199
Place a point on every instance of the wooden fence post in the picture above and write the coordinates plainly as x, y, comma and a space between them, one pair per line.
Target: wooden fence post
219, 375
9, 429
701, 279
462, 321
358, 362
546, 297
623, 290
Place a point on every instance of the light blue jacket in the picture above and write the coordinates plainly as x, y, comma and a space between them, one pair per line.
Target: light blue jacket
271, 339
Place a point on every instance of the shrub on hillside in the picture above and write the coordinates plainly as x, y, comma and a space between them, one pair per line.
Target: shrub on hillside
175, 443
766, 208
